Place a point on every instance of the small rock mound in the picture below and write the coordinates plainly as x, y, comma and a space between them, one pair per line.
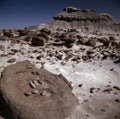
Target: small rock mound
30, 93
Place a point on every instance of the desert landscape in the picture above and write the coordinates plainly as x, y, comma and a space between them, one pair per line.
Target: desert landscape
68, 68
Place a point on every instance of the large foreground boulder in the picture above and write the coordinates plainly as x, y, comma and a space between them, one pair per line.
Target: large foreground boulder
30, 93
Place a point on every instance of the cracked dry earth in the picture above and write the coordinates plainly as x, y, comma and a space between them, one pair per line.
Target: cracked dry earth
96, 84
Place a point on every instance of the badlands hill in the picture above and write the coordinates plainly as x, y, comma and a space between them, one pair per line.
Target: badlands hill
66, 69
84, 20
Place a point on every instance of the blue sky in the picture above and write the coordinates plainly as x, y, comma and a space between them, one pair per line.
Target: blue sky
23, 13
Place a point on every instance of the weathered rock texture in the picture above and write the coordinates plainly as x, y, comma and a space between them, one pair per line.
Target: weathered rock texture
29, 93
85, 20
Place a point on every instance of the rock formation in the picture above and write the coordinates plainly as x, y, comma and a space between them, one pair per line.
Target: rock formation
30, 93
84, 20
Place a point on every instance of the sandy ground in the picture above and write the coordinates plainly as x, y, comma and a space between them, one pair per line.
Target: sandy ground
96, 84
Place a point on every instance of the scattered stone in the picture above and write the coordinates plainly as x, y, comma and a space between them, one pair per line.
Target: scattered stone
111, 39
44, 35
11, 60
39, 57
81, 40
85, 100
90, 52
8, 33
15, 50
107, 90
103, 110
91, 42
116, 87
104, 57
69, 56
37, 41
92, 89
104, 40
117, 61
24, 32
117, 100
63, 63
111, 69
85, 58
45, 30
80, 85
59, 56
76, 58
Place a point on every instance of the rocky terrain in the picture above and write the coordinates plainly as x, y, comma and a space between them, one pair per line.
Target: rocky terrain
89, 60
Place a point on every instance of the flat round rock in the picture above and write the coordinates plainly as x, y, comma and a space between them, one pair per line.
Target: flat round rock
30, 93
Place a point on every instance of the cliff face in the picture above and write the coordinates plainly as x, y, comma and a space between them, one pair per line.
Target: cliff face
88, 20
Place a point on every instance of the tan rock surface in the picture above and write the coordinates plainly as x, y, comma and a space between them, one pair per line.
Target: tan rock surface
31, 93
